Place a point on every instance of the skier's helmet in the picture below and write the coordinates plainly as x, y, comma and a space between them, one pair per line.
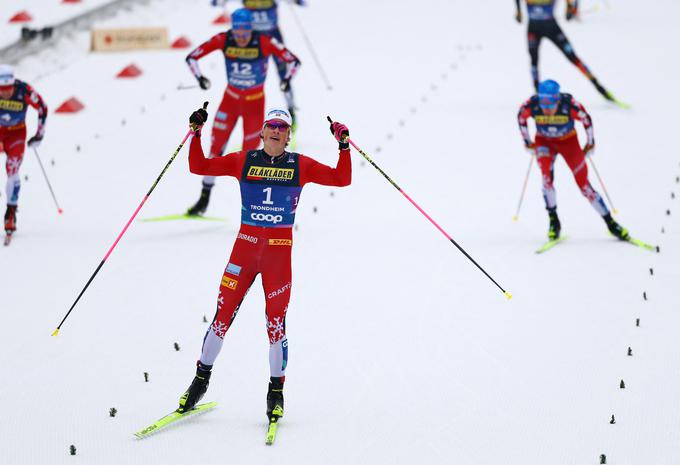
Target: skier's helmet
242, 19
548, 93
6, 76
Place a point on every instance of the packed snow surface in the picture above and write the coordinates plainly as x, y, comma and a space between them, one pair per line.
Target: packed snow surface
401, 351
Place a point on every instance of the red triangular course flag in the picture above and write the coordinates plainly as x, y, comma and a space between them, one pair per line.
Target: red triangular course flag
72, 105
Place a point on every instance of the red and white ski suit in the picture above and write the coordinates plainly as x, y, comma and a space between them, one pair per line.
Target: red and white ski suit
555, 134
270, 192
244, 96
13, 131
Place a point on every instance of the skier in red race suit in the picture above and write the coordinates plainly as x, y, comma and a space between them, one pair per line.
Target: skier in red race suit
271, 181
15, 97
266, 20
246, 53
554, 113
542, 24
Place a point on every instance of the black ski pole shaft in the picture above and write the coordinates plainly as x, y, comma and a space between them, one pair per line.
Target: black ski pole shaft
368, 159
42, 168
127, 225
311, 48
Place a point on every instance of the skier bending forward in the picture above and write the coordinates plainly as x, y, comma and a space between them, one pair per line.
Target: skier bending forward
555, 113
271, 181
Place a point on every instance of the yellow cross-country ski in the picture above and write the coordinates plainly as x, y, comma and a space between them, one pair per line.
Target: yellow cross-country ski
172, 418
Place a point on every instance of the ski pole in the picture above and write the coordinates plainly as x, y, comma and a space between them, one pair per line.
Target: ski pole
368, 159
602, 184
524, 189
115, 243
59, 210
311, 49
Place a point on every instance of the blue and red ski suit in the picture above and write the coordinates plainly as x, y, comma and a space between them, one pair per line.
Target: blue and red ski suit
555, 134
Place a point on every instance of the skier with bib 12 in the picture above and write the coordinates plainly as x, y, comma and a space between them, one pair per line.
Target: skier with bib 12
246, 54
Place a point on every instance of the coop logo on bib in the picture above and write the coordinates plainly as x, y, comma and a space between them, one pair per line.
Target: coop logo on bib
273, 174
266, 217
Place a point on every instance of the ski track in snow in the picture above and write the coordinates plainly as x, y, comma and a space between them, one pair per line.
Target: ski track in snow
401, 351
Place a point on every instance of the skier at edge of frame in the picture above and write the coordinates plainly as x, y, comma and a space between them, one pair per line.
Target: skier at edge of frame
542, 24
271, 181
554, 113
15, 98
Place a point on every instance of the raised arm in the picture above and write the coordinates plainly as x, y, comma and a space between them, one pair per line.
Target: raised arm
313, 171
229, 165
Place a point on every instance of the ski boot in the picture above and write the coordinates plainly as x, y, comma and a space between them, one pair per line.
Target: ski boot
615, 228
10, 219
202, 204
605, 93
555, 226
275, 399
197, 389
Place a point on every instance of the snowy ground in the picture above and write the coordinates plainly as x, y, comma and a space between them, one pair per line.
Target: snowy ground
401, 351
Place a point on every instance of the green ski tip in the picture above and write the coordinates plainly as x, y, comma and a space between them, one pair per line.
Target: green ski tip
271, 432
644, 245
550, 244
618, 102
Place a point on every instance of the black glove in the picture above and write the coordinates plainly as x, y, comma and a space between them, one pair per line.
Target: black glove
34, 141
197, 120
285, 85
572, 12
518, 16
204, 82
